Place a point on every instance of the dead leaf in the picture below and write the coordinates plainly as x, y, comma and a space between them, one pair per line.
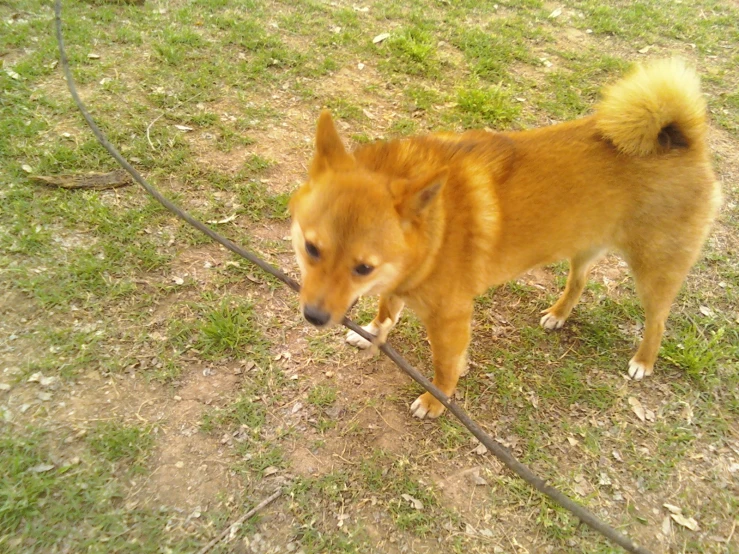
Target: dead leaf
379, 38
644, 50
688, 522
706, 311
672, 508
581, 486
475, 478
41, 468
183, 128
271, 470
666, 526
51, 381
637, 408
556, 13
228, 219
415, 502
480, 450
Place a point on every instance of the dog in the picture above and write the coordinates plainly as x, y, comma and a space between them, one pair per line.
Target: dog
433, 221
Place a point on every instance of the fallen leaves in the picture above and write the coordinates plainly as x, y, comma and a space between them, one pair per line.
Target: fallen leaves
415, 502
676, 513
642, 413
41, 468
228, 219
379, 38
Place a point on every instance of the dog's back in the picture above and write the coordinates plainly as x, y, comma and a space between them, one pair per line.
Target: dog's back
636, 172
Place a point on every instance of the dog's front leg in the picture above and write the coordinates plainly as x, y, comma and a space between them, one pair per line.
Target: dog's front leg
387, 316
449, 335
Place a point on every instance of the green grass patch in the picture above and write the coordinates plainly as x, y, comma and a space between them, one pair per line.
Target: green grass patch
246, 411
413, 52
119, 442
481, 107
322, 396
47, 503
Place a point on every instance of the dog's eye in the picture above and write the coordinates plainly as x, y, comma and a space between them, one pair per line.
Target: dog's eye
363, 269
312, 250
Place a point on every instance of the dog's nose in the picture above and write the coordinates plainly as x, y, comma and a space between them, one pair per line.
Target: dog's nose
317, 317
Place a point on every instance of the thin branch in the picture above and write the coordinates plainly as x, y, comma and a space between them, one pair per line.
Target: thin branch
263, 504
148, 128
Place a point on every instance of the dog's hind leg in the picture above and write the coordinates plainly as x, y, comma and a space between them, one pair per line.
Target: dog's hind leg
580, 266
387, 316
657, 286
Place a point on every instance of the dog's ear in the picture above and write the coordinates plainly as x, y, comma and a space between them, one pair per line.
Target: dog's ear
414, 196
330, 152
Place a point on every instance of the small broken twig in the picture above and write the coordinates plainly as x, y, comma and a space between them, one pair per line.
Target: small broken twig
90, 181
241, 520
148, 128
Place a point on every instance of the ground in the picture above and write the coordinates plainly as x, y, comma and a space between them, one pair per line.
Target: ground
153, 387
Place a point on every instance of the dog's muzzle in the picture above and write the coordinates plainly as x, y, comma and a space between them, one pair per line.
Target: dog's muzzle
316, 316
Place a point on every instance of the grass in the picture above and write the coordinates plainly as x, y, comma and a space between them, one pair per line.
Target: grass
46, 502
88, 287
481, 107
244, 411
121, 443
228, 329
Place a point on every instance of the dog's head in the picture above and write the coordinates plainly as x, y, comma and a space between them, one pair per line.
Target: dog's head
354, 231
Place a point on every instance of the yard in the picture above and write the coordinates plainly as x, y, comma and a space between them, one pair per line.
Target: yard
153, 387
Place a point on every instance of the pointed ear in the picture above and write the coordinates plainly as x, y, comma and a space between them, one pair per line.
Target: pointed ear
415, 195
330, 152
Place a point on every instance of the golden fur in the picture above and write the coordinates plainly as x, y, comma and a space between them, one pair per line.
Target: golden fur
433, 221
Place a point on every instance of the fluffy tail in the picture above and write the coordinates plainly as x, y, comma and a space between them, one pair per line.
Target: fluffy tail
658, 107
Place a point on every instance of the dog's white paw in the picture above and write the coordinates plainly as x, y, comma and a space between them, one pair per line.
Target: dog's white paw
551, 322
426, 406
637, 370
360, 342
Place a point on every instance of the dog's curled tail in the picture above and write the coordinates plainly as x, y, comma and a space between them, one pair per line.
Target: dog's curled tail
656, 108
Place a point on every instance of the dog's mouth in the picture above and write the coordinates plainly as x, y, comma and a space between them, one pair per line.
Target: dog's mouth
320, 318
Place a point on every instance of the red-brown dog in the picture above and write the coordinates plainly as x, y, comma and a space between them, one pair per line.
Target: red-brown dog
433, 221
